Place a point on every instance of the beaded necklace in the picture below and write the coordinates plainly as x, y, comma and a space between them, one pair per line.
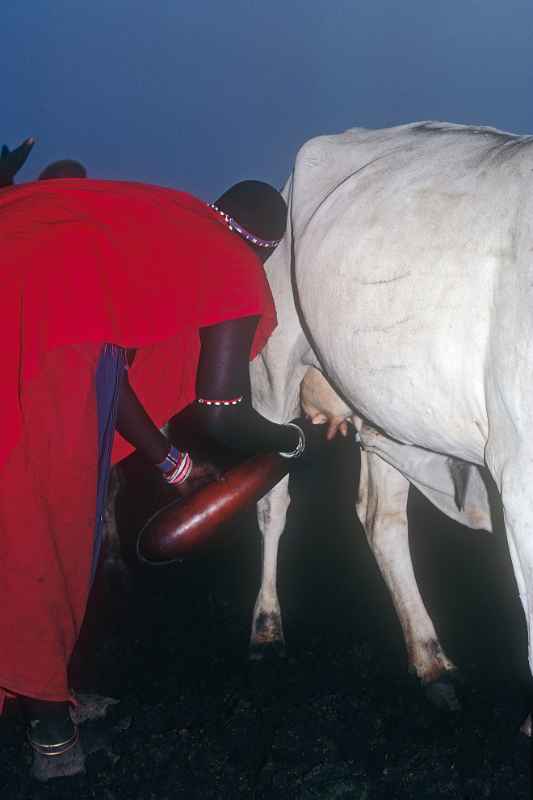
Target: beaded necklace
234, 225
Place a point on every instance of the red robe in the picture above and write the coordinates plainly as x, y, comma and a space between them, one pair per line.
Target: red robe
84, 263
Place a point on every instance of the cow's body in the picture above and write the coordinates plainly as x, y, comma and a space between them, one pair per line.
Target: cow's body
410, 254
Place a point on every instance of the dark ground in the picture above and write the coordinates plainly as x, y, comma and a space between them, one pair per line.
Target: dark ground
339, 719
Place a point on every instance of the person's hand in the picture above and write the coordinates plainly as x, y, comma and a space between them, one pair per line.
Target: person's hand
336, 424
12, 160
203, 472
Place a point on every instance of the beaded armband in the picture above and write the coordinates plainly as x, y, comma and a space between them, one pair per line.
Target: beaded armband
176, 467
234, 401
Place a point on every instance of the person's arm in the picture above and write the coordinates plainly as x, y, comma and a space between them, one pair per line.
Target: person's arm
223, 377
134, 424
223, 374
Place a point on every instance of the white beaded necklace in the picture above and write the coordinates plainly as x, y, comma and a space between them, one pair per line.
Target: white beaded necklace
234, 225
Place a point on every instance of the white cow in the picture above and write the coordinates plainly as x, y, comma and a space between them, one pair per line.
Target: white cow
406, 278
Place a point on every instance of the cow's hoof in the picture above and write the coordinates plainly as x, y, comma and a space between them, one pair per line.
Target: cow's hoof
266, 675
267, 651
442, 692
267, 640
525, 728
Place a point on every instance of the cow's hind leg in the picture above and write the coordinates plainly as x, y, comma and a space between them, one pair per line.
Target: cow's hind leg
514, 478
267, 628
382, 510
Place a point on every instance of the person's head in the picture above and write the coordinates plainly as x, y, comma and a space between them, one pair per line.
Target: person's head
257, 212
67, 168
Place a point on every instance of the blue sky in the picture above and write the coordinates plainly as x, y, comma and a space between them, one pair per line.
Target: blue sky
197, 95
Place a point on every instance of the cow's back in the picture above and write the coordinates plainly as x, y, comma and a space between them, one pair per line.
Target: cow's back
401, 238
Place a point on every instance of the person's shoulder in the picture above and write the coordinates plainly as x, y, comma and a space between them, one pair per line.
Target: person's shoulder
168, 193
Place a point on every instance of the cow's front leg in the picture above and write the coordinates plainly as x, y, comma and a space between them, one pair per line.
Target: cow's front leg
267, 628
382, 509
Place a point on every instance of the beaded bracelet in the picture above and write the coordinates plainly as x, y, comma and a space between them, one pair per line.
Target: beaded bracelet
300, 447
176, 467
234, 401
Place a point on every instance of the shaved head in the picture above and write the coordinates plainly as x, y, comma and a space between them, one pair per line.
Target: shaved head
257, 206
63, 169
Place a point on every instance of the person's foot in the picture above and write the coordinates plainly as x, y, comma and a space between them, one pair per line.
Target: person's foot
50, 729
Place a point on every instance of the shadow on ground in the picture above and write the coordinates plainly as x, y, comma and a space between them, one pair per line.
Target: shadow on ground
339, 719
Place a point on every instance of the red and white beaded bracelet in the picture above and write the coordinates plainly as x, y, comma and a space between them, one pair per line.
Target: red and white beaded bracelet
234, 401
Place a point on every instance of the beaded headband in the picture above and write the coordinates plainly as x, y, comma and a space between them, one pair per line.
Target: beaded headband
234, 225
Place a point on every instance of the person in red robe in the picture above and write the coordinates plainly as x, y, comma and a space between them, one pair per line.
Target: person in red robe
94, 271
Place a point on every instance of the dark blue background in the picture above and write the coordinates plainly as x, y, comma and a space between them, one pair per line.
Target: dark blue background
199, 94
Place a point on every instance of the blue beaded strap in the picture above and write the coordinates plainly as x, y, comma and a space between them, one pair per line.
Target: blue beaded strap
171, 461
176, 467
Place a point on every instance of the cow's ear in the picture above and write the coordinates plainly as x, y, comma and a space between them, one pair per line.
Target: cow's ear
12, 160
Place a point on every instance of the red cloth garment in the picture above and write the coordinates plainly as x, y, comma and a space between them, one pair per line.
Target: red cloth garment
47, 522
124, 263
85, 263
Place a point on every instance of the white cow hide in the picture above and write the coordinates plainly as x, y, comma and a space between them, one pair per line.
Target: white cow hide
408, 264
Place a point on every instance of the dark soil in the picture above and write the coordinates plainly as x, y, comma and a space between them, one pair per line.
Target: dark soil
339, 718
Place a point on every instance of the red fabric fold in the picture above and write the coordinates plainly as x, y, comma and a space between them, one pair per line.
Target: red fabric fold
47, 520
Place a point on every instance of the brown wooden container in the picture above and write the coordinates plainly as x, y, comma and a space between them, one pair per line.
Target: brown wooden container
186, 526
